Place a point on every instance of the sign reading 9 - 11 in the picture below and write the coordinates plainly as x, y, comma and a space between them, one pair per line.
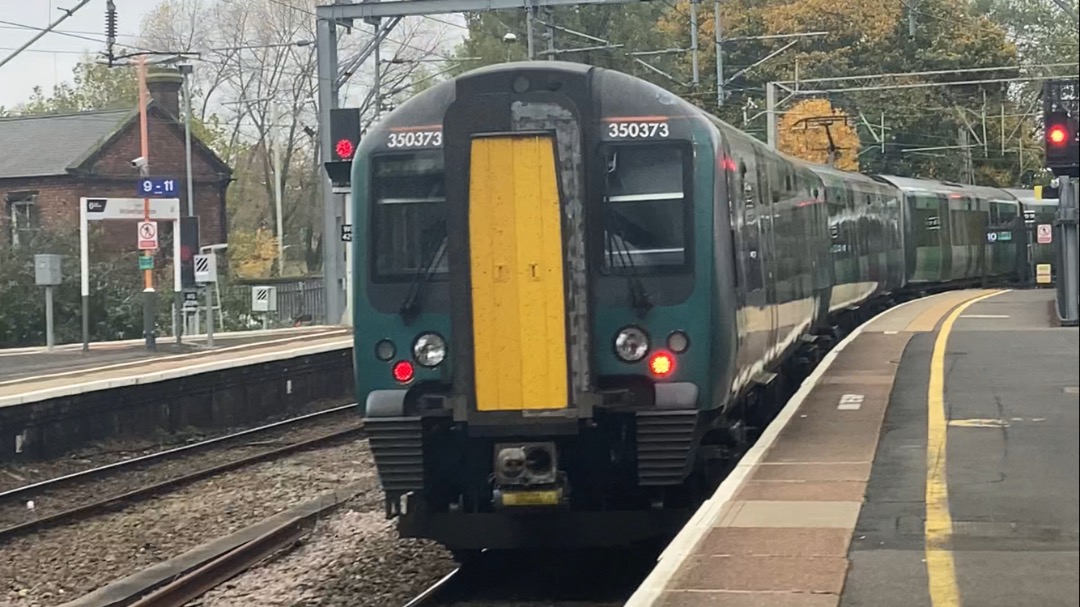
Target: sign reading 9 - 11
158, 187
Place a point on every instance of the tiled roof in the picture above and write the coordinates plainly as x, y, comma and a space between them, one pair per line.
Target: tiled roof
34, 146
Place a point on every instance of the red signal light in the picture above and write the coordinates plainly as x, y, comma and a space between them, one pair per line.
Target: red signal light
662, 364
1057, 134
345, 149
403, 371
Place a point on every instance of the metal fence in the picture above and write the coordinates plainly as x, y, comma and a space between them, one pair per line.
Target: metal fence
298, 301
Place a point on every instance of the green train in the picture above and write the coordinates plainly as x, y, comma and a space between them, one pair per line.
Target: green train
574, 292
1039, 216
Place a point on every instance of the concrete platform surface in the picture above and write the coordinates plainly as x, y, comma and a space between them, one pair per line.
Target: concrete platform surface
32, 377
830, 507
21, 363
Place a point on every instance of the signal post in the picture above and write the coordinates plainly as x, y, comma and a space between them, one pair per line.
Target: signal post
345, 135
1061, 121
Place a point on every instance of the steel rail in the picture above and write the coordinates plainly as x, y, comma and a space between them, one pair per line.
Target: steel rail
142, 492
225, 567
165, 454
432, 591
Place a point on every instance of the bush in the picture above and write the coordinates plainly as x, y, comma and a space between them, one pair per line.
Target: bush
115, 302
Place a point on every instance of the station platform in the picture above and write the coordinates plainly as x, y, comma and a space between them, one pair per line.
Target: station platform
930, 460
34, 374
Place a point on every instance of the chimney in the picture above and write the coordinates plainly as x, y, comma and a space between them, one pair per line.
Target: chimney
164, 86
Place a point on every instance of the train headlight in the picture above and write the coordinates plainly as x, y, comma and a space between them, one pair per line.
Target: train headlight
429, 349
385, 350
678, 342
631, 344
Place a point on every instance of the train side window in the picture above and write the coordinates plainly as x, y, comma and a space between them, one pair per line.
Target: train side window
408, 217
646, 209
748, 193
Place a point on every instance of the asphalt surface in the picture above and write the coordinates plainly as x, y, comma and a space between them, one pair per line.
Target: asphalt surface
24, 365
1012, 466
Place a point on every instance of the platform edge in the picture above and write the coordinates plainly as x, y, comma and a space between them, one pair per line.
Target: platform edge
675, 555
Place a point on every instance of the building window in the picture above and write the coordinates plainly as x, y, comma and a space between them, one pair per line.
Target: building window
25, 217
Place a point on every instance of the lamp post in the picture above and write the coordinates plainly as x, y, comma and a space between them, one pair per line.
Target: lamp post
186, 70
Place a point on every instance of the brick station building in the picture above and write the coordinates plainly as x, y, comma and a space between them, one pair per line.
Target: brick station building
49, 162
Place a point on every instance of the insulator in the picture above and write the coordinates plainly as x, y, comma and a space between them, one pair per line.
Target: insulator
110, 21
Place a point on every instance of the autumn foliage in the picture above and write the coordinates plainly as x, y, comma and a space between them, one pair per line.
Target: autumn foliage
802, 133
252, 254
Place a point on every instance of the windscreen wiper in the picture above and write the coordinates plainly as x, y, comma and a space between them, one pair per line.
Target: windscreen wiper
411, 306
639, 297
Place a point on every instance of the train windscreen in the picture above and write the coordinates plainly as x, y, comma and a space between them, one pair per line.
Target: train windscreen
408, 223
645, 210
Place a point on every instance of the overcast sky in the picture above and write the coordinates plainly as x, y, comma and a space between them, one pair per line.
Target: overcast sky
51, 59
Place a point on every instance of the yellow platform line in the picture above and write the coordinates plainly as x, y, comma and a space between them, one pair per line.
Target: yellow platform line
940, 567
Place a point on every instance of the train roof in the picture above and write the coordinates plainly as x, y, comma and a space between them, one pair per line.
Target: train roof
1027, 198
830, 174
946, 188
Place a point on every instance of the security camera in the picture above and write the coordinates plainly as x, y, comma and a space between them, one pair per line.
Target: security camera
139, 162
509, 38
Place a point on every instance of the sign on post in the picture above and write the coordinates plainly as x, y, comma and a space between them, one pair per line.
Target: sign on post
263, 299
1044, 233
148, 236
158, 187
47, 270
205, 268
1044, 274
191, 299
346, 232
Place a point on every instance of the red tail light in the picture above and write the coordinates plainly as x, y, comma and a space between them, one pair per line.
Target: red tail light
403, 371
662, 364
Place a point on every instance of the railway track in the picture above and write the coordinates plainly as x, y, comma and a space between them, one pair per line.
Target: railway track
191, 575
538, 578
174, 481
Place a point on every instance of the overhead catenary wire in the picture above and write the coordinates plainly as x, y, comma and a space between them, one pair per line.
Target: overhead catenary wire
67, 13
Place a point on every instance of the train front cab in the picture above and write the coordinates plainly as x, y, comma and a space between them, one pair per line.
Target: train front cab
577, 319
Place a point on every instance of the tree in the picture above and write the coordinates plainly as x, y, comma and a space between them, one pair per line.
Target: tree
258, 60
1040, 29
96, 86
867, 37
812, 128
633, 26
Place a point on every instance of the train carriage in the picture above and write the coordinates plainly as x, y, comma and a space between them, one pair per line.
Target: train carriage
958, 233
572, 288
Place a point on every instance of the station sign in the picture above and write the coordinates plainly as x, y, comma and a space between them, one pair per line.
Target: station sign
162, 209
346, 233
158, 187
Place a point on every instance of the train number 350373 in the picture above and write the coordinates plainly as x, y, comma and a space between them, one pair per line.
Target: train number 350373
415, 139
638, 130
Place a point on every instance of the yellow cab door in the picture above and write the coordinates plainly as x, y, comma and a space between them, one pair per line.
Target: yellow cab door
516, 262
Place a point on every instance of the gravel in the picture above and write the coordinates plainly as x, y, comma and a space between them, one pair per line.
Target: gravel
117, 482
17, 474
59, 564
353, 558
